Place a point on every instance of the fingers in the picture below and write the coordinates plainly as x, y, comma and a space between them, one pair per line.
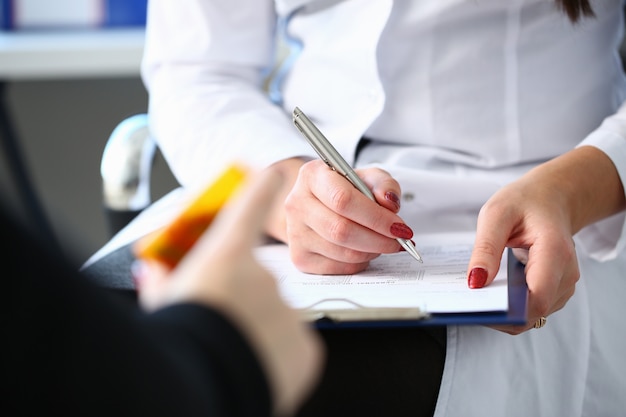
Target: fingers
385, 188
341, 231
333, 228
328, 258
339, 248
521, 255
314, 263
492, 234
532, 318
551, 274
340, 197
150, 279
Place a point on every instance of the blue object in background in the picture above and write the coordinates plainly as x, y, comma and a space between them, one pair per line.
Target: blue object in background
125, 13
6, 14
115, 13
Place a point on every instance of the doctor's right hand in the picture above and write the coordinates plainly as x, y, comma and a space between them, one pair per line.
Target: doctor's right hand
332, 228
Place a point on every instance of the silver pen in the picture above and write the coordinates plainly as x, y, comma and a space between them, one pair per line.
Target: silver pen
335, 161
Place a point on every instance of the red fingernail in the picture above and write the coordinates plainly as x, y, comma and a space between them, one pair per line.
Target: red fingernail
401, 230
477, 278
393, 197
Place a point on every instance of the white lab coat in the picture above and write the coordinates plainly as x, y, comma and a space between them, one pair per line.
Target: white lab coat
484, 91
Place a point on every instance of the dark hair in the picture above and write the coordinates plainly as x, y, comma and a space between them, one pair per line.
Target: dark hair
575, 9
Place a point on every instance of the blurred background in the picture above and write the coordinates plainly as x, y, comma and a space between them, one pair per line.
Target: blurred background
69, 73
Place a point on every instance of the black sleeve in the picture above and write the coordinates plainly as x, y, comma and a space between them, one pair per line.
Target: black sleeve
72, 349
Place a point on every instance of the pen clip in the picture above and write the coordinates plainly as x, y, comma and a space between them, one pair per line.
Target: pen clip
306, 132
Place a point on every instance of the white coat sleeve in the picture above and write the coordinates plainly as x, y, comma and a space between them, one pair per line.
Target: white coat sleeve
204, 65
605, 239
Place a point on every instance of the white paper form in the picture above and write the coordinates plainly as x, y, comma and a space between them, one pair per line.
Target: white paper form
439, 285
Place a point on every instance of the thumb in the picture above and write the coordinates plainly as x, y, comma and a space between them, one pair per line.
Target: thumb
491, 238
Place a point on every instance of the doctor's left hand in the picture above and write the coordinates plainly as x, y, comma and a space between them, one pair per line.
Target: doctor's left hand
536, 228
538, 216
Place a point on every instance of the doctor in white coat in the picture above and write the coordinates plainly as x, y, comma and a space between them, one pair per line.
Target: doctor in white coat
446, 107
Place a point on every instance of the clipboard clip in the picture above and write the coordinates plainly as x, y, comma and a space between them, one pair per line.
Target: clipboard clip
359, 312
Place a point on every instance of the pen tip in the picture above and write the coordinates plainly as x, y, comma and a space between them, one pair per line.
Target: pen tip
416, 254
408, 246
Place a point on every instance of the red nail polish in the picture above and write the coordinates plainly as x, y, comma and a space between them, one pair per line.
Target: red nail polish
393, 197
477, 278
401, 230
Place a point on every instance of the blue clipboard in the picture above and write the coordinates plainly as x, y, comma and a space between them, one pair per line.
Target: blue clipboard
515, 315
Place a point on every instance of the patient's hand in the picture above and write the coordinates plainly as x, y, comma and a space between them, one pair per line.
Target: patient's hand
221, 271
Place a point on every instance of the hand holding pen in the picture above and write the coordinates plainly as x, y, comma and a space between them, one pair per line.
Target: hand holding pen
333, 227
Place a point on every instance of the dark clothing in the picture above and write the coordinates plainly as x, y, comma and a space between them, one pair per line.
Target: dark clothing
73, 349
376, 372
370, 371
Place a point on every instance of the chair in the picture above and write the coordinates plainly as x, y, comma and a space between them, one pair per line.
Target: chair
126, 168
